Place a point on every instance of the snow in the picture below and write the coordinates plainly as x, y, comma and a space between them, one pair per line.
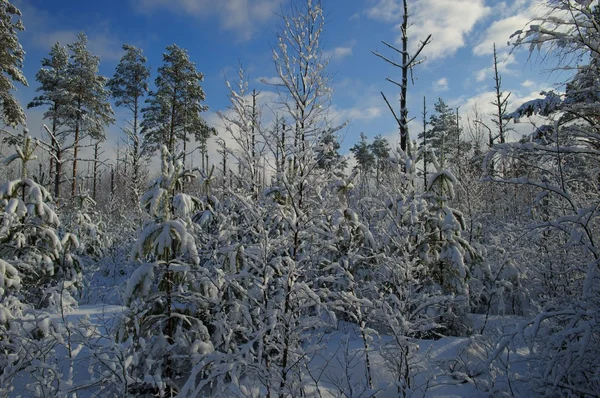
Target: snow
9, 277
339, 366
313, 282
140, 281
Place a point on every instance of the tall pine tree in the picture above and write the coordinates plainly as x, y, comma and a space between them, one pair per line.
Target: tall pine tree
11, 62
173, 111
128, 86
88, 109
52, 78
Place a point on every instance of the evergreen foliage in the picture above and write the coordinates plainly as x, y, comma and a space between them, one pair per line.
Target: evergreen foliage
11, 62
173, 112
128, 86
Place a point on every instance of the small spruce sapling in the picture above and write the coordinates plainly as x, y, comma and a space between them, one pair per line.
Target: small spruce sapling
167, 321
30, 239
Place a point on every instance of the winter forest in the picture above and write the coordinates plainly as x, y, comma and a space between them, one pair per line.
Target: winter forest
461, 262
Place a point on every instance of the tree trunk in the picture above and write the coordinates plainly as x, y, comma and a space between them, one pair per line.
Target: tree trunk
500, 102
403, 89
425, 155
112, 181
283, 149
136, 156
57, 173
96, 148
171, 144
76, 148
53, 145
253, 146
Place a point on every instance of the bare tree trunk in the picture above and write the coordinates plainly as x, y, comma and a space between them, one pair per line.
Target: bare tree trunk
112, 180
403, 88
171, 143
283, 156
425, 154
76, 147
405, 67
94, 190
224, 162
253, 146
136, 156
53, 145
500, 102
58, 172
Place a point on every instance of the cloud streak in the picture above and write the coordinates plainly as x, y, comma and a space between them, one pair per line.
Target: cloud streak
505, 60
104, 45
338, 53
240, 16
513, 18
448, 21
43, 35
441, 84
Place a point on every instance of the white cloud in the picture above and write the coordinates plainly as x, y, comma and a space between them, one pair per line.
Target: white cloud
338, 53
385, 10
528, 84
482, 74
483, 103
499, 32
241, 16
448, 21
41, 33
273, 80
361, 102
441, 84
365, 114
504, 61
105, 45
513, 17
354, 114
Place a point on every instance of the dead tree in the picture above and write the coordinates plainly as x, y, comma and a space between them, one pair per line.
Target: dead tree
406, 65
424, 114
500, 102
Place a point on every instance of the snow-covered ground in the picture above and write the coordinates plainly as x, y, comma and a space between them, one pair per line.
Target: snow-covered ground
439, 368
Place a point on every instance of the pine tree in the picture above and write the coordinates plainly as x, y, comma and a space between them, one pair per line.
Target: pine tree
425, 234
168, 321
52, 78
173, 111
11, 309
444, 135
87, 224
88, 111
11, 62
128, 86
381, 150
364, 156
327, 153
30, 239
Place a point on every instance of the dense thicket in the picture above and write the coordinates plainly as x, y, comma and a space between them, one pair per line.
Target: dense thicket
235, 277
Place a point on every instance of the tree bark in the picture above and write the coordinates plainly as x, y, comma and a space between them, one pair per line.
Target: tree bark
76, 147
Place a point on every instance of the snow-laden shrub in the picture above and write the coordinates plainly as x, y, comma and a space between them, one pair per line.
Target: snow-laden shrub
30, 239
167, 321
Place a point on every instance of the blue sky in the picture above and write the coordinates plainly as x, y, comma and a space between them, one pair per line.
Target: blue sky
220, 34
